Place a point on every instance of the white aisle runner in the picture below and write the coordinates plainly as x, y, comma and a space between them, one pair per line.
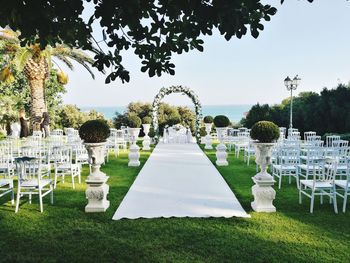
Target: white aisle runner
178, 180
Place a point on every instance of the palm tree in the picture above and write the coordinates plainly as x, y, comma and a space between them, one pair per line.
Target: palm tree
36, 64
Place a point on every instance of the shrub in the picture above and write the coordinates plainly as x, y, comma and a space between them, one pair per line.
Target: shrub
208, 119
151, 132
147, 120
134, 121
94, 131
265, 132
221, 121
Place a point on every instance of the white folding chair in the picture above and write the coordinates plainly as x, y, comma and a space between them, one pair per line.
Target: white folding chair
30, 181
344, 186
322, 183
287, 164
64, 165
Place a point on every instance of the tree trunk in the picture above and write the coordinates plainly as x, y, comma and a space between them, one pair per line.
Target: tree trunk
36, 73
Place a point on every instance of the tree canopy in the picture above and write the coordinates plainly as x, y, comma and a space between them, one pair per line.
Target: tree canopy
154, 29
327, 112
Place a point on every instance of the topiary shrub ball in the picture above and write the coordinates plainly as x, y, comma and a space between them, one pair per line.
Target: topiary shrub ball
265, 132
94, 131
147, 120
134, 121
221, 121
208, 119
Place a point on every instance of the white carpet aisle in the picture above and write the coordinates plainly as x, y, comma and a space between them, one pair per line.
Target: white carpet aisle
178, 180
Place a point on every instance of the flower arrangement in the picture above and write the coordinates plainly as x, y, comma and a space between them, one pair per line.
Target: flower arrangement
177, 89
265, 132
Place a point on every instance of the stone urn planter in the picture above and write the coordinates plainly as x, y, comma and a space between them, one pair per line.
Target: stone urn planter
262, 191
221, 154
266, 133
146, 140
97, 190
221, 123
208, 140
134, 154
95, 133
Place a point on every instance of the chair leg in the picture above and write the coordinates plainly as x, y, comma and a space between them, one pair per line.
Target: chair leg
335, 201
300, 195
312, 202
280, 181
18, 198
321, 199
12, 194
72, 173
51, 194
41, 200
55, 181
30, 198
345, 200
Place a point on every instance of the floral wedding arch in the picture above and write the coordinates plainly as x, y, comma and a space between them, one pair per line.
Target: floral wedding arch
177, 89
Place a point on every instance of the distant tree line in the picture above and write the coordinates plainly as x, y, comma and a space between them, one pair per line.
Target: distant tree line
327, 112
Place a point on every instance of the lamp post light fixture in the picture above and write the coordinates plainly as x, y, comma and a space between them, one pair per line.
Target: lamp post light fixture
291, 84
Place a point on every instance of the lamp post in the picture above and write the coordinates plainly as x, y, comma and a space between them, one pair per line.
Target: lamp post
291, 84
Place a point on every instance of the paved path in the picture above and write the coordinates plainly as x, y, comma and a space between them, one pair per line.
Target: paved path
178, 180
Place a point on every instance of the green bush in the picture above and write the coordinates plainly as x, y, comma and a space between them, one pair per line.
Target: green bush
208, 119
94, 131
134, 121
147, 120
221, 121
265, 132
151, 132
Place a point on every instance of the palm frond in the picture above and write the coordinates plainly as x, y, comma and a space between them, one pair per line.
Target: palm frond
65, 61
79, 56
21, 57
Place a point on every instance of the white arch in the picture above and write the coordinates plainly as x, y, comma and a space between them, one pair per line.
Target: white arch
176, 89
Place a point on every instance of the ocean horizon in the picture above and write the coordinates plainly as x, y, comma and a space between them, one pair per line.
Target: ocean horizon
234, 112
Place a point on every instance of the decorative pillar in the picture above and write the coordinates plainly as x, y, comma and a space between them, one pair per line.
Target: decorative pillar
262, 191
97, 190
208, 141
146, 140
134, 154
221, 154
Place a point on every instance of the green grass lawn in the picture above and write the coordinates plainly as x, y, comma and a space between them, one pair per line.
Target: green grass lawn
65, 233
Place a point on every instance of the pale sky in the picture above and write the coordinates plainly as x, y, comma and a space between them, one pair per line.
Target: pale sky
311, 40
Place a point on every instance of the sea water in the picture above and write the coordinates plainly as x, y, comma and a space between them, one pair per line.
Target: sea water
234, 112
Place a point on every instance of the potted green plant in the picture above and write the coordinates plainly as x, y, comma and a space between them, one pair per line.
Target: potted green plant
134, 124
221, 123
94, 133
266, 134
146, 124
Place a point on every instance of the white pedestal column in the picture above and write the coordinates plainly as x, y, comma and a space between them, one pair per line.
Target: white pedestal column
221, 154
134, 154
97, 190
262, 191
146, 140
264, 195
208, 140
